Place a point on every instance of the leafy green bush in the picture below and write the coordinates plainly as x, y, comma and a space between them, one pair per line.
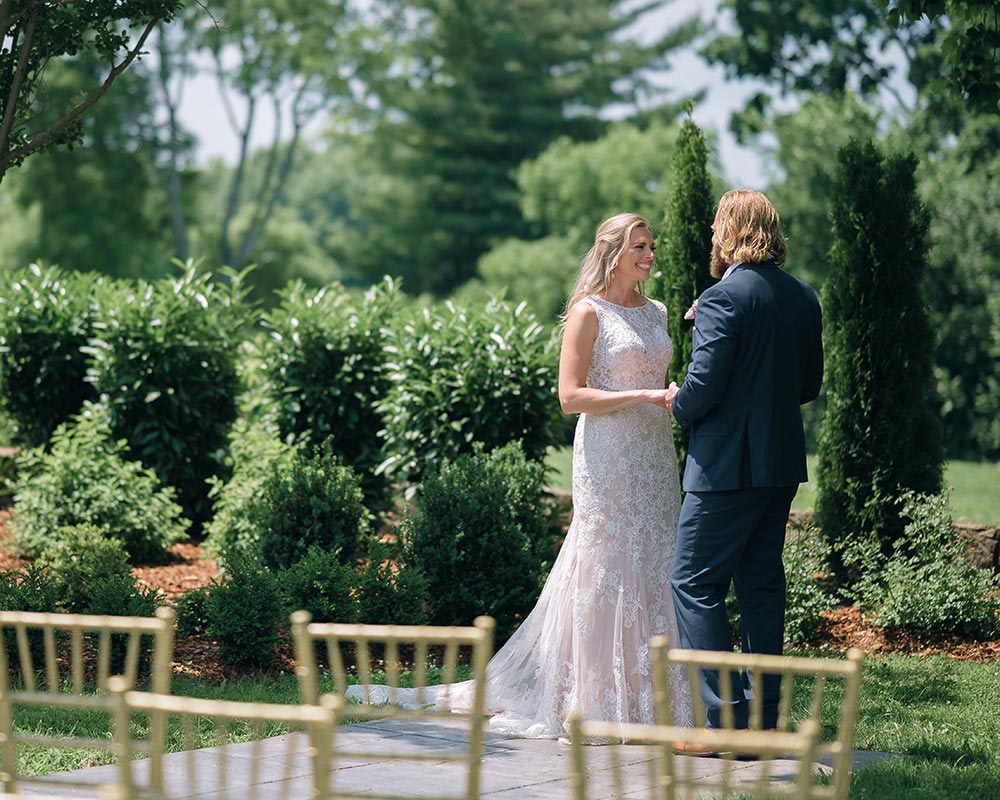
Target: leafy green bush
192, 611
45, 320
27, 589
462, 377
84, 478
322, 585
78, 557
120, 595
927, 585
478, 536
326, 372
244, 610
390, 593
257, 454
164, 363
807, 574
314, 500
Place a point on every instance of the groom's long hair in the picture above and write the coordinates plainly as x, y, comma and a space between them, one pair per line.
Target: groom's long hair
751, 232
598, 265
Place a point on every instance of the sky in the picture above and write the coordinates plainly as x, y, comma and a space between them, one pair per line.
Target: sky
202, 111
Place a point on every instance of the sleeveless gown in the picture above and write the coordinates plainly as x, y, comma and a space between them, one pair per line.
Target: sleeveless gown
585, 646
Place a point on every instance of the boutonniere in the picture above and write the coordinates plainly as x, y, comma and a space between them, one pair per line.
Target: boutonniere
689, 314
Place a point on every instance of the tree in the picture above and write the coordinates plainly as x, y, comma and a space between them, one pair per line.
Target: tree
881, 435
302, 58
99, 207
685, 248
37, 32
825, 47
481, 87
971, 46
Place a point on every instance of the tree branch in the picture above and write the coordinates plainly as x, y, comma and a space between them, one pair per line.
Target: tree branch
17, 83
40, 140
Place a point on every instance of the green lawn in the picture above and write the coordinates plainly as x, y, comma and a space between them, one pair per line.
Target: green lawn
974, 495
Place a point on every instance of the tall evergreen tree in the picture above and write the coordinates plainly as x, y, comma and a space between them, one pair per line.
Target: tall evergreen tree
483, 86
880, 435
683, 250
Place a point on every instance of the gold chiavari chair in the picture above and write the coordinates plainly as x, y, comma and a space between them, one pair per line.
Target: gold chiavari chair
824, 690
380, 656
65, 661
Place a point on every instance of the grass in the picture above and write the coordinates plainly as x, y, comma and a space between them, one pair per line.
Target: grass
943, 715
974, 498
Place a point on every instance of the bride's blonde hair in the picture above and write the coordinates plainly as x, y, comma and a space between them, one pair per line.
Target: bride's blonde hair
599, 264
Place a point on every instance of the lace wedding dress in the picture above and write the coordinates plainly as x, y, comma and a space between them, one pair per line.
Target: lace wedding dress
584, 648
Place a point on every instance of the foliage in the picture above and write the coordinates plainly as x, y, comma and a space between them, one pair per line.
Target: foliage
77, 558
685, 248
257, 454
538, 273
45, 320
244, 611
85, 478
477, 534
326, 372
447, 137
27, 589
314, 501
100, 207
390, 592
37, 34
119, 594
164, 363
824, 46
321, 584
880, 435
192, 611
962, 183
969, 48
467, 376
927, 585
806, 559
572, 186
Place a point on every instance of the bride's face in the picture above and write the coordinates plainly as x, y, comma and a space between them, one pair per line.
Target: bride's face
636, 263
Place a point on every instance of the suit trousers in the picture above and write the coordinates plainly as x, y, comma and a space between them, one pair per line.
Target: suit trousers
733, 537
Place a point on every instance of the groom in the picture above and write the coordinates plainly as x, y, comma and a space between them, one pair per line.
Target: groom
758, 355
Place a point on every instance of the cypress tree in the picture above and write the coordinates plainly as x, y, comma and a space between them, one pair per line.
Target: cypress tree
880, 435
683, 250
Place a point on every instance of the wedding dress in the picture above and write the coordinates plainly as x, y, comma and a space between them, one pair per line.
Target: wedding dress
584, 648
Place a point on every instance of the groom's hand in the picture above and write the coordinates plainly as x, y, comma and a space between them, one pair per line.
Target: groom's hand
668, 400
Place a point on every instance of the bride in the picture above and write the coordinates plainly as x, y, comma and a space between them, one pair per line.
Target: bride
584, 648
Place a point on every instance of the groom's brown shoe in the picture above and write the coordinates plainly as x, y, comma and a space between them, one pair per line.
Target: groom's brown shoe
694, 749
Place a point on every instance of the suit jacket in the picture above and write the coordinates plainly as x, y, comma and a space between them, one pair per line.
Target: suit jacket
758, 355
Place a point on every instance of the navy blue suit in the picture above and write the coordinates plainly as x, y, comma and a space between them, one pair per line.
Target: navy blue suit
758, 355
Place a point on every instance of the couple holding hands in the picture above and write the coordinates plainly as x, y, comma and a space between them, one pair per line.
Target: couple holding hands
637, 561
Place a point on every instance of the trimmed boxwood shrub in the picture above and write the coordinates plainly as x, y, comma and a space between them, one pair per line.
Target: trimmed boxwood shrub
45, 320
325, 367
244, 611
77, 558
390, 592
85, 479
164, 363
121, 595
313, 500
462, 377
322, 585
478, 534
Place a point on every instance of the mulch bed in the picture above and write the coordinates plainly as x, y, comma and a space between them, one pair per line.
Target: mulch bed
186, 567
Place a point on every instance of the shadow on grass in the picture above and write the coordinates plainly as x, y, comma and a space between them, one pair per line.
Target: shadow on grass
924, 683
